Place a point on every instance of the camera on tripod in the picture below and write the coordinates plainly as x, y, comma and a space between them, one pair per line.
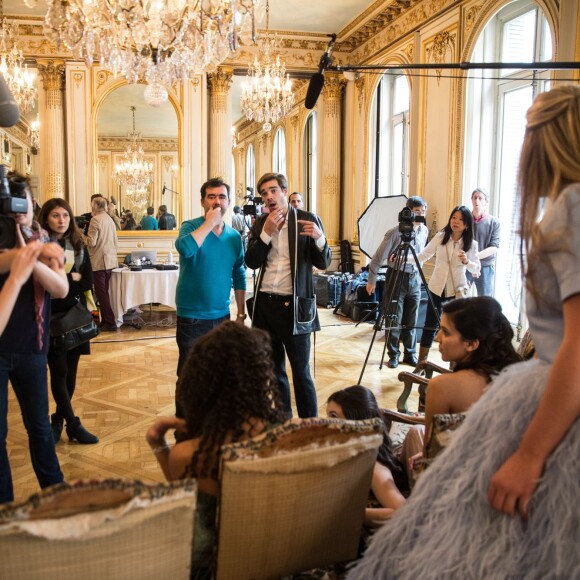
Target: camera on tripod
252, 203
12, 200
407, 219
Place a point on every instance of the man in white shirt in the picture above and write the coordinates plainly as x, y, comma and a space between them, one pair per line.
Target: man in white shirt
285, 244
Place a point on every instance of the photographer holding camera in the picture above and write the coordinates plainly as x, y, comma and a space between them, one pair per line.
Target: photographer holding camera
26, 337
410, 294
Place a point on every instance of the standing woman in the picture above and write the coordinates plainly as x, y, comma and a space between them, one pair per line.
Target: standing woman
24, 344
455, 253
502, 500
57, 218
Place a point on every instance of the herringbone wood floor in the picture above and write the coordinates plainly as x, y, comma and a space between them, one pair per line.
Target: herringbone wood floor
130, 378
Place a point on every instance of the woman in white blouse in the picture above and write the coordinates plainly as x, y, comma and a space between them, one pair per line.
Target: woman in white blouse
455, 253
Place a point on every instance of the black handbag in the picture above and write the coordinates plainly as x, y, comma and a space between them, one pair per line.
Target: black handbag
72, 328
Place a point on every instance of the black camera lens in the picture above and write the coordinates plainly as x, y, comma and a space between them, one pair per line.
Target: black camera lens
17, 186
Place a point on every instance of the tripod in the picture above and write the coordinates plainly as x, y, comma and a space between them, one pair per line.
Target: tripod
389, 303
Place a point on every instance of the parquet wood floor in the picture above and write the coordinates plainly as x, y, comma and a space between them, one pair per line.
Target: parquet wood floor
130, 378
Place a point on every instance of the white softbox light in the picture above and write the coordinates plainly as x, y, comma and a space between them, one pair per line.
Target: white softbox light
381, 215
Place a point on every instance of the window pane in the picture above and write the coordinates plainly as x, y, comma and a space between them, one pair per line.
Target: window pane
398, 148
400, 95
279, 155
251, 168
518, 42
513, 124
546, 53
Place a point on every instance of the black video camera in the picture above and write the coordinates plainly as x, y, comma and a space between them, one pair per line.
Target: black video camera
407, 219
12, 200
252, 203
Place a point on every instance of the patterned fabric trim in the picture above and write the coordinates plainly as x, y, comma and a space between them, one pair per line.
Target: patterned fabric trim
128, 488
312, 429
442, 427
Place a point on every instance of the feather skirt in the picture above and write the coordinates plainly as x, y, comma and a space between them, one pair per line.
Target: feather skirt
447, 529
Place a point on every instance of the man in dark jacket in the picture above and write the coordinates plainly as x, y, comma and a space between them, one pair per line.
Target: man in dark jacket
285, 244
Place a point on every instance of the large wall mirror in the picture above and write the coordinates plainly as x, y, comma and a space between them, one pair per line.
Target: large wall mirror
145, 142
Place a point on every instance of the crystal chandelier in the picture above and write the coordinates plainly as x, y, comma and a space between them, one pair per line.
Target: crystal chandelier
134, 172
160, 41
266, 95
15, 71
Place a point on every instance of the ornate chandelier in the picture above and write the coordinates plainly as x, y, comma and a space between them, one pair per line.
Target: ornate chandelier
160, 41
266, 95
15, 71
134, 172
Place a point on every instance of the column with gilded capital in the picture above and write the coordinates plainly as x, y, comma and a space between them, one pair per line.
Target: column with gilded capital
328, 206
220, 123
52, 74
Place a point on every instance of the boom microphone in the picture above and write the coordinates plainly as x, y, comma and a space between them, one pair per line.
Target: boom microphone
9, 113
317, 79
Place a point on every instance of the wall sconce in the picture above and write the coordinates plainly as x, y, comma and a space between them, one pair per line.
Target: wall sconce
34, 136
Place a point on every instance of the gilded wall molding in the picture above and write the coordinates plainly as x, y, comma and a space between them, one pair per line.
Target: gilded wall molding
436, 52
103, 77
220, 81
360, 85
381, 38
52, 75
148, 143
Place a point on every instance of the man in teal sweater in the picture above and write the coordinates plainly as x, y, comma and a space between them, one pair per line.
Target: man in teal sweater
211, 261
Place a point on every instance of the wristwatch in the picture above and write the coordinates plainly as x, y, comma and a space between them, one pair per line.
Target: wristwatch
243, 316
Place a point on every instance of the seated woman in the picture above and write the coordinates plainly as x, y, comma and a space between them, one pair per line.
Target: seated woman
389, 480
226, 397
477, 337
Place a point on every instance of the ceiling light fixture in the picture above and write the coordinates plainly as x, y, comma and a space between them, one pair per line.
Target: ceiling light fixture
159, 41
266, 95
134, 172
15, 71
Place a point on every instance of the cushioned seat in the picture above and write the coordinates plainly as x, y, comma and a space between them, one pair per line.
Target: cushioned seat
99, 530
293, 499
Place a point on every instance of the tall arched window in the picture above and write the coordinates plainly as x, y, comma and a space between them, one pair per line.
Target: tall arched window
279, 152
494, 130
310, 163
389, 136
251, 169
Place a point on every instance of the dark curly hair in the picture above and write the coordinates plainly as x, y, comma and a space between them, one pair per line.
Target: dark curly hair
467, 235
359, 403
481, 319
227, 380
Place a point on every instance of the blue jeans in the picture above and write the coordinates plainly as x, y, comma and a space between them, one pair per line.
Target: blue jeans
406, 315
27, 373
276, 317
484, 283
189, 330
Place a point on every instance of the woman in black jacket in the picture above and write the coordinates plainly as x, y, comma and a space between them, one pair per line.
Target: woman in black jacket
57, 218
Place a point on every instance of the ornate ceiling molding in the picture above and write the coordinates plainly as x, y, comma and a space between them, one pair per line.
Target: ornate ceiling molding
384, 34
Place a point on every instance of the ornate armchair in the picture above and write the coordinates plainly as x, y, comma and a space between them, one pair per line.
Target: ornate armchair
293, 499
100, 529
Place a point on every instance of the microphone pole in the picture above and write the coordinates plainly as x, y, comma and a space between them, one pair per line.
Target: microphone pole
317, 79
165, 188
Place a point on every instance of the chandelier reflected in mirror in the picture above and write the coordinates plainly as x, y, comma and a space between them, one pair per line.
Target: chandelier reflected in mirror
134, 173
15, 71
160, 41
267, 91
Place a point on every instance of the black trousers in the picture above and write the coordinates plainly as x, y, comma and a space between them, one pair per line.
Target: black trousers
275, 315
63, 367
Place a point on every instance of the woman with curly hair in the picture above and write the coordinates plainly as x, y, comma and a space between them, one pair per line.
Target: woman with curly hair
389, 480
501, 501
228, 393
477, 337
56, 217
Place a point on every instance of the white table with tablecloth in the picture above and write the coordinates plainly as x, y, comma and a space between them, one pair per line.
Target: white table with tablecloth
129, 289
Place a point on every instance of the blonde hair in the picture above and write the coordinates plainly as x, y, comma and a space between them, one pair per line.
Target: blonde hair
549, 161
